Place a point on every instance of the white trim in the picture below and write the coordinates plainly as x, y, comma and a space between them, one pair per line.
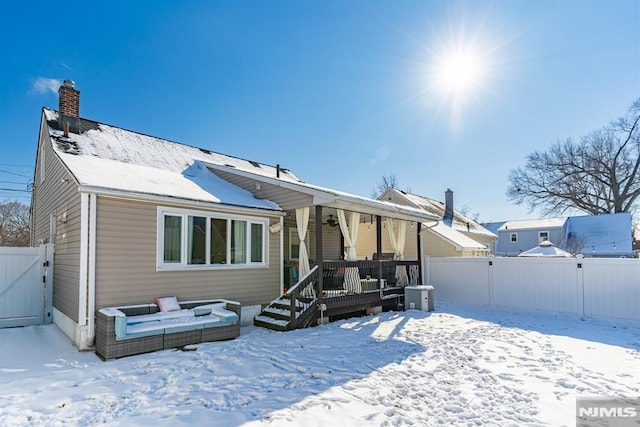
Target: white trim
91, 293
248, 312
76, 333
337, 199
84, 254
185, 202
163, 211
67, 326
511, 235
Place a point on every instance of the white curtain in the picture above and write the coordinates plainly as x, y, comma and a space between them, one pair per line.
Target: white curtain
397, 242
302, 222
350, 233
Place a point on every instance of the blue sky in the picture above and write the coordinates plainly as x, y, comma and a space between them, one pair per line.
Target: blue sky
340, 92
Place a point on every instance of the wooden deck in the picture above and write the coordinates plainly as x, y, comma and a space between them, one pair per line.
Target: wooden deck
339, 288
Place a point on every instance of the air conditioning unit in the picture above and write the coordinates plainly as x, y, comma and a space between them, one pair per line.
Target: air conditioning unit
419, 298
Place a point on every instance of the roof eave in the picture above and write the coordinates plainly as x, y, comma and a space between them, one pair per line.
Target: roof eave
338, 199
157, 198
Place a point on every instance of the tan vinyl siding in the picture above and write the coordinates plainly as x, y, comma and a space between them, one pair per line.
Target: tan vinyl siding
126, 263
366, 243
331, 243
58, 193
436, 246
483, 240
330, 240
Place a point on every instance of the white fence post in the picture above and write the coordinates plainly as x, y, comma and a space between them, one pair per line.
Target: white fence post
492, 281
580, 285
49, 250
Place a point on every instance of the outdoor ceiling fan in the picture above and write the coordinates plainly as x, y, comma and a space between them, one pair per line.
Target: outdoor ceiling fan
331, 222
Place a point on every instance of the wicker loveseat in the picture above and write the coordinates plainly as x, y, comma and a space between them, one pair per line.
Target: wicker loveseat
135, 329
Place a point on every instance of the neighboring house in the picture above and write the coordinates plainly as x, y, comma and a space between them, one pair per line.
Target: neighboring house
134, 217
607, 235
454, 235
515, 237
604, 236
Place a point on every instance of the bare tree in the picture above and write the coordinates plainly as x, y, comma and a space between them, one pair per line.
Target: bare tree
14, 224
466, 211
572, 243
599, 174
387, 181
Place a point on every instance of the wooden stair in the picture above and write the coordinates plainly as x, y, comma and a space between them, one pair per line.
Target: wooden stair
277, 315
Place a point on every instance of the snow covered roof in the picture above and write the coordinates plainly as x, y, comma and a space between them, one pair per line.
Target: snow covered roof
609, 234
533, 224
546, 249
437, 208
107, 158
110, 158
461, 241
339, 199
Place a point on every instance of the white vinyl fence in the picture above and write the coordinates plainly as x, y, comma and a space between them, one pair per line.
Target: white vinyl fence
26, 278
584, 286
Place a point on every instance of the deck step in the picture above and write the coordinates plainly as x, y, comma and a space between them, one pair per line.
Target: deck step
278, 313
271, 323
286, 305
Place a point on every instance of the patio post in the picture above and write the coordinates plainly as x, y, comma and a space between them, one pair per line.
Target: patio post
319, 255
379, 244
419, 243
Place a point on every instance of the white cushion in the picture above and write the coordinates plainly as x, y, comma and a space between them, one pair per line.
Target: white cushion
168, 304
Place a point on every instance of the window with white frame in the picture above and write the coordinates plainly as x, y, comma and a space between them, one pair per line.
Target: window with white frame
514, 237
195, 240
542, 236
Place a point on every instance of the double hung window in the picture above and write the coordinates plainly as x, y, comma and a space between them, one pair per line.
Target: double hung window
193, 240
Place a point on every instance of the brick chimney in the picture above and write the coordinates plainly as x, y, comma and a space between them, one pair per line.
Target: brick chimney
69, 99
448, 207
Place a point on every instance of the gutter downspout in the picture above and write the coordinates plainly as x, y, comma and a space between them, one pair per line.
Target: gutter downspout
86, 291
91, 293
82, 283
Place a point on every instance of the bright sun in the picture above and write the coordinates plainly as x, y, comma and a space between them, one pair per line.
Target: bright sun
458, 72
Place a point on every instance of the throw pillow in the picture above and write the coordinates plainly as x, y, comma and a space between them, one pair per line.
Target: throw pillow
168, 304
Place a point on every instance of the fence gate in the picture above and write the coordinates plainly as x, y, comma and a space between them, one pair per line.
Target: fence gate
26, 292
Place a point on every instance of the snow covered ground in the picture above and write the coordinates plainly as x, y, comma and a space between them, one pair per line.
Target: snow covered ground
456, 366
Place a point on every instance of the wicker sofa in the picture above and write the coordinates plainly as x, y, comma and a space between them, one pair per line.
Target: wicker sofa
135, 329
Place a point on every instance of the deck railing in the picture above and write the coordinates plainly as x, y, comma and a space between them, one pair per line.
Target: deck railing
303, 295
335, 276
346, 280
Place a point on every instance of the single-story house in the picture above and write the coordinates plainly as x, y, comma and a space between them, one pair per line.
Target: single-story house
455, 235
135, 217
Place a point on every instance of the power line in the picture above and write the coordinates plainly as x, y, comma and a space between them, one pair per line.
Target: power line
13, 189
15, 182
16, 174
17, 166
